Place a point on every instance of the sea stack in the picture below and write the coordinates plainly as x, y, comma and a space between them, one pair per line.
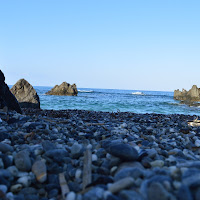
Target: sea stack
7, 99
26, 94
188, 96
65, 89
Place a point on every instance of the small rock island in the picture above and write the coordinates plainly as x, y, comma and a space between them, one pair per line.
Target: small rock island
188, 97
25, 94
65, 89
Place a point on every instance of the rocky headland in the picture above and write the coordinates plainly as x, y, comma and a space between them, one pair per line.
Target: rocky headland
25, 94
65, 89
88, 155
188, 97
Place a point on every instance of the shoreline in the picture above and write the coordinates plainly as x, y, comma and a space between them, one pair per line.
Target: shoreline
87, 155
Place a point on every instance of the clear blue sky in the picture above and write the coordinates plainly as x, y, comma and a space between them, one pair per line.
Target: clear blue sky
121, 44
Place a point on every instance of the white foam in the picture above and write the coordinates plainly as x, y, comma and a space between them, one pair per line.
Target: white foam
85, 91
138, 93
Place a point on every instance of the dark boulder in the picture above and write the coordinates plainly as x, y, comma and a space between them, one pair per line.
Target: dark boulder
6, 97
65, 89
26, 94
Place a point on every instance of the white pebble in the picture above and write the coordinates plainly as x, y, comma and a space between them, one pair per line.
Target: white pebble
106, 194
25, 181
89, 146
78, 174
157, 163
197, 143
113, 169
108, 156
71, 196
94, 157
125, 140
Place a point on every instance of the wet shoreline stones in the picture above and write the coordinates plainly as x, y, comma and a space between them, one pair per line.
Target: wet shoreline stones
145, 156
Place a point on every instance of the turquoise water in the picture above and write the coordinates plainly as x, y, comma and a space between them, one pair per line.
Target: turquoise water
112, 100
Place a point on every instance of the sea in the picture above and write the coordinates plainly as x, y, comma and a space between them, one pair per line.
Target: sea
114, 100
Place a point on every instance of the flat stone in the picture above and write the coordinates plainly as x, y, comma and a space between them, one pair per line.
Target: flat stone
16, 188
57, 155
130, 195
157, 192
4, 148
95, 193
40, 171
22, 161
133, 172
157, 163
121, 184
123, 151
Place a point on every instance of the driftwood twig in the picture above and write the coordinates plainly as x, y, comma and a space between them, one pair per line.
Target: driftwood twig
63, 185
87, 168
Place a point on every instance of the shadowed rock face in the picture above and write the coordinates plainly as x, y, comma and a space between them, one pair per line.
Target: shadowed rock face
6, 97
26, 94
65, 89
188, 97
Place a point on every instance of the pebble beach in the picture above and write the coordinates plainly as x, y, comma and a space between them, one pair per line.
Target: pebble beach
89, 155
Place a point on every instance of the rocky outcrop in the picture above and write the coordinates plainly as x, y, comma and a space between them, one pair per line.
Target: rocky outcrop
65, 89
188, 97
26, 94
7, 99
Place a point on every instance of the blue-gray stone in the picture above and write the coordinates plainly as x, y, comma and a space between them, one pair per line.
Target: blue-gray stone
94, 194
57, 154
53, 193
130, 195
156, 191
47, 145
4, 148
133, 172
22, 161
123, 151
31, 197
76, 150
184, 193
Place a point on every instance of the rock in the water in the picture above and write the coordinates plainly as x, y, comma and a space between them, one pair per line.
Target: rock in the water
123, 151
40, 171
65, 89
25, 94
6, 97
188, 97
